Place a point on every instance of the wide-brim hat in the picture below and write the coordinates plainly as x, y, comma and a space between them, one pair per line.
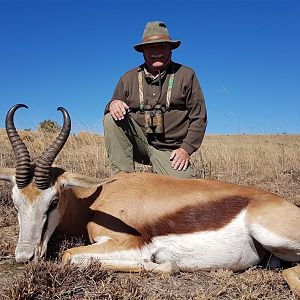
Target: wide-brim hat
156, 32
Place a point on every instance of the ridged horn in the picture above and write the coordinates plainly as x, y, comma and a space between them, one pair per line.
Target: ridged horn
42, 172
19, 149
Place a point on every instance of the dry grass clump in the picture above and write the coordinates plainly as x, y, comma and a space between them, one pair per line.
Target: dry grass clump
8, 223
269, 162
52, 280
84, 152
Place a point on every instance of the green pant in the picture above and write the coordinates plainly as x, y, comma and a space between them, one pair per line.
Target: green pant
126, 143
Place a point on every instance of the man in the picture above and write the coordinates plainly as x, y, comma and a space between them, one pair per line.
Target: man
157, 114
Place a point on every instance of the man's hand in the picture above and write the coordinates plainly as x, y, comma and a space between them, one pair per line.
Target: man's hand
180, 159
117, 109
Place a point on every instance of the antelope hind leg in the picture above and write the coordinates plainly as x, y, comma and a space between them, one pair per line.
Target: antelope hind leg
292, 277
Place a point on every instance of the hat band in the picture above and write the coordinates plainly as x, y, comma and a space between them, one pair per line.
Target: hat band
156, 37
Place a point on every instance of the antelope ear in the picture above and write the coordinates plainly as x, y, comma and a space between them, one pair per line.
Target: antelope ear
69, 180
7, 174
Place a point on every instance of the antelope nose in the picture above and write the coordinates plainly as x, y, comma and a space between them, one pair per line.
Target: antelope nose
25, 252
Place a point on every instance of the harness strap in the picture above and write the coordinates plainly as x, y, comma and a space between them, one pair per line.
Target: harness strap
169, 91
141, 90
141, 93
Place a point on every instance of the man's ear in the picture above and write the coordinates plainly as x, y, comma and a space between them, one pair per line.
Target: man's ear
69, 180
7, 174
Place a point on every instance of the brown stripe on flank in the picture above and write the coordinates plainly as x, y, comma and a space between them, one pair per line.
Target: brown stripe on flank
209, 216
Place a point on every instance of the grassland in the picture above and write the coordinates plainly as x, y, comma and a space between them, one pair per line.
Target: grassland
270, 162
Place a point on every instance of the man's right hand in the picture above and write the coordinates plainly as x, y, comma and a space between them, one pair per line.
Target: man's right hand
117, 109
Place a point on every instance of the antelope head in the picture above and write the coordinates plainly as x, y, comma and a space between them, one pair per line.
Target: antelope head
35, 191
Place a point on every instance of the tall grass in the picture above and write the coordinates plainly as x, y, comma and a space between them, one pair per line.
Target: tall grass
267, 161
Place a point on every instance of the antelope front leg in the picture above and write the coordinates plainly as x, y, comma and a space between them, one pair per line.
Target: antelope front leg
122, 260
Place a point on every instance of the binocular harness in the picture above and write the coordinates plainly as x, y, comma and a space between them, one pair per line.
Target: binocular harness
154, 119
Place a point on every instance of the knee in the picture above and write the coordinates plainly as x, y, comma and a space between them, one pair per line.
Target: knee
108, 122
111, 126
188, 174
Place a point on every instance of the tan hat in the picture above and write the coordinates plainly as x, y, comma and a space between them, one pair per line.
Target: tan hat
156, 32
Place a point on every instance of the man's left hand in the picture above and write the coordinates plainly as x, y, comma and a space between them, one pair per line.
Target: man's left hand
180, 159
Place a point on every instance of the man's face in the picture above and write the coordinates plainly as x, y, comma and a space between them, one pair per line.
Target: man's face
157, 55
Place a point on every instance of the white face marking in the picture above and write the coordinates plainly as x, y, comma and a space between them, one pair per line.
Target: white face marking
33, 216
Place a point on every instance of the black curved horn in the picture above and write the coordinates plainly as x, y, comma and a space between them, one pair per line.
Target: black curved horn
42, 172
19, 148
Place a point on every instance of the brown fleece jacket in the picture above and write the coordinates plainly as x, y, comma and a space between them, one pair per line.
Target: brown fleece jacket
185, 121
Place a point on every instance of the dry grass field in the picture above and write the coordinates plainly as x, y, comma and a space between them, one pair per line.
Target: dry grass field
270, 162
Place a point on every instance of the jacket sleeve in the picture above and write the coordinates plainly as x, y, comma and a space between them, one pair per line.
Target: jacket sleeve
197, 117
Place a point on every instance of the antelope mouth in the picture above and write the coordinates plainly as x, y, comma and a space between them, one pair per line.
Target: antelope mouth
27, 252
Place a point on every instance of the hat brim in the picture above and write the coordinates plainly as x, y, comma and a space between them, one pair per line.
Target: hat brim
174, 44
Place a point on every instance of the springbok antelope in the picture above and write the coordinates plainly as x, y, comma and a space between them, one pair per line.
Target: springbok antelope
144, 221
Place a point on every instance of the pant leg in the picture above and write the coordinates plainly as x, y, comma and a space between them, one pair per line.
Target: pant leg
125, 143
161, 163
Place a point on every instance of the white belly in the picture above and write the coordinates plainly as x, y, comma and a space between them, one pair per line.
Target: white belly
230, 247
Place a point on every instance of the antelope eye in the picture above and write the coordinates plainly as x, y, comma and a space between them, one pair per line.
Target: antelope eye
53, 204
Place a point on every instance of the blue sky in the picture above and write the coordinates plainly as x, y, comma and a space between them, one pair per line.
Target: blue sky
246, 55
